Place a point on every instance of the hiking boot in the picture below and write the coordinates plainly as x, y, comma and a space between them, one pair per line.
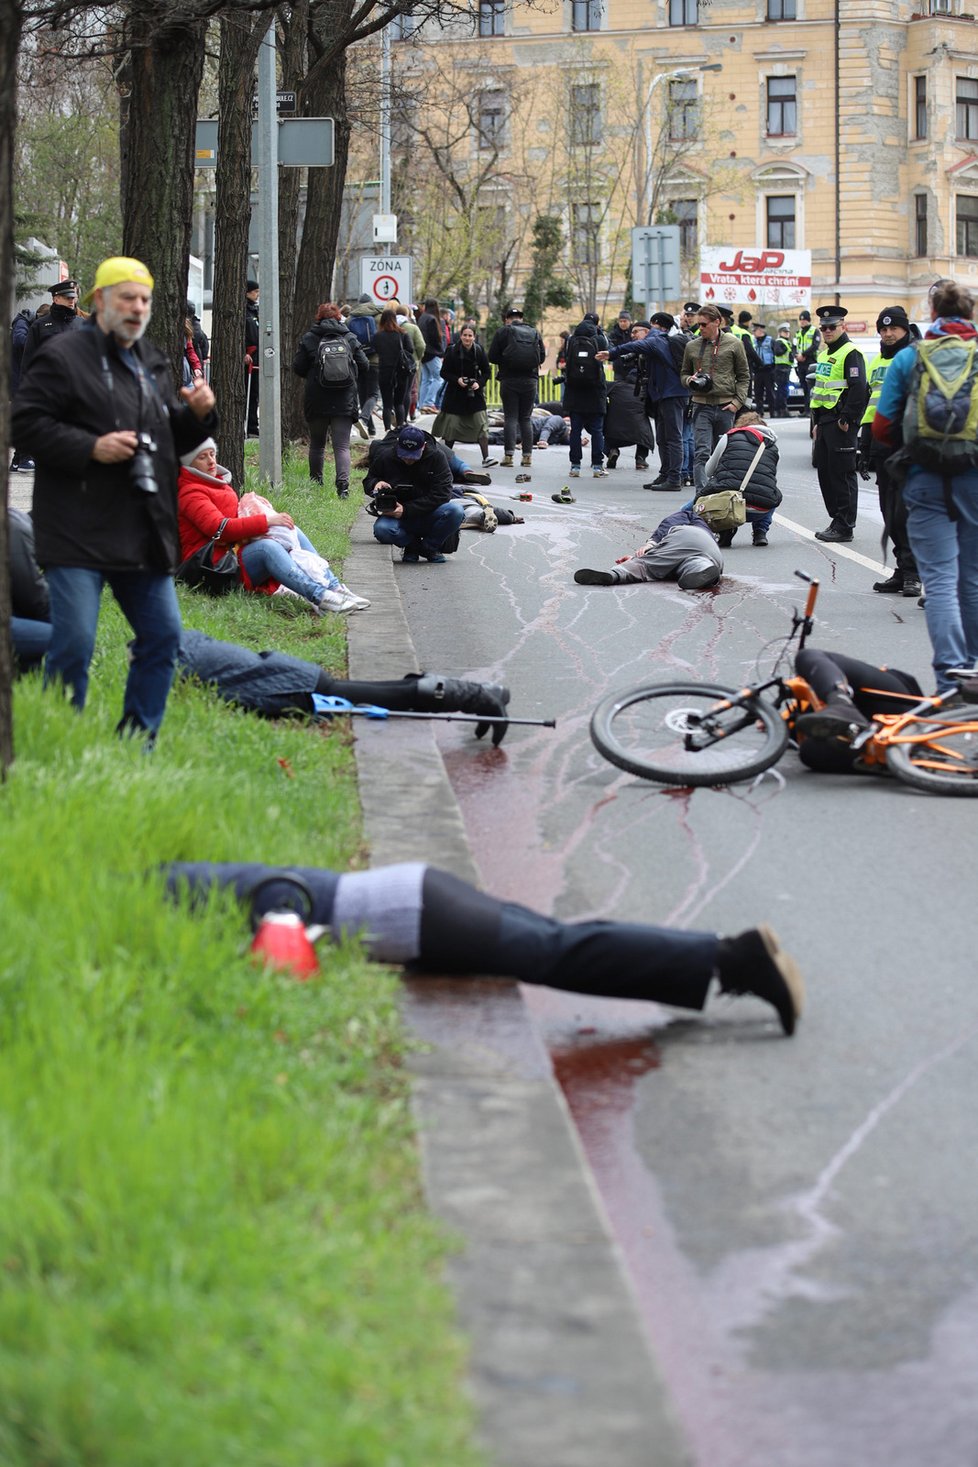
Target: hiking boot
575, 471
440, 694
526, 462
760, 537
840, 719
507, 461
585, 577
911, 584
893, 585
601, 472
612, 459
473, 476
563, 496
755, 963
834, 535
342, 489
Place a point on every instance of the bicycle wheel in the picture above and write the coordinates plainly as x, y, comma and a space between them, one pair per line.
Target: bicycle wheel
944, 761
667, 732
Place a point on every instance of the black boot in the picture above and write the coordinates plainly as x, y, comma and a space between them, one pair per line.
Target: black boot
840, 719
911, 584
755, 962
342, 489
439, 694
893, 585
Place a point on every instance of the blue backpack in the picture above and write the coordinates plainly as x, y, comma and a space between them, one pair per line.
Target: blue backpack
364, 329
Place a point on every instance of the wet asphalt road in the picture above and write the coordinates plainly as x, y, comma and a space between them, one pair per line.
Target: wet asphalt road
798, 1217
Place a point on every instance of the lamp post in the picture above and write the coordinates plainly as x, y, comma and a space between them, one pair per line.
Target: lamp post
682, 73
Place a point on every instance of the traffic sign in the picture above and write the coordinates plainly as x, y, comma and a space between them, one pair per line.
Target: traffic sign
655, 263
303, 142
387, 278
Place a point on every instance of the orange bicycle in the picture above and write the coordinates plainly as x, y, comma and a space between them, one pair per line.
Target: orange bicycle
698, 734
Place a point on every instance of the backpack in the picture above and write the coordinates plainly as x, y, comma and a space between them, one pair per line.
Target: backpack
521, 353
364, 329
582, 367
940, 420
334, 363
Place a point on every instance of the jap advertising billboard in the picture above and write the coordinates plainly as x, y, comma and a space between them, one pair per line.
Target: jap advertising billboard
758, 276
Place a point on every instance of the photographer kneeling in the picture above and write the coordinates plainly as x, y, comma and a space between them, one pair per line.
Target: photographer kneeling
410, 481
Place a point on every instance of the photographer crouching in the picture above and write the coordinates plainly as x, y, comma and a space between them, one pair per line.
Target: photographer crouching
409, 480
98, 414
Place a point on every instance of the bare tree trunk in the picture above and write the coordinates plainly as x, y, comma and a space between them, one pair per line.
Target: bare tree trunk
163, 73
240, 40
324, 198
293, 62
11, 20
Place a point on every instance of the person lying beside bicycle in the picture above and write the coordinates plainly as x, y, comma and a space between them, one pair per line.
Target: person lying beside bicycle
853, 692
682, 548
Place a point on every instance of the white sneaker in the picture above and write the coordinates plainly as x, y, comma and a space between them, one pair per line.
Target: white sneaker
339, 601
361, 601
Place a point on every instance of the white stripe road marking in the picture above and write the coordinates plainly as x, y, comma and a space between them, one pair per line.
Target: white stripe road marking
806, 534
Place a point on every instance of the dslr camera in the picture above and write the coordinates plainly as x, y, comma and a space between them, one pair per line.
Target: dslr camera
142, 469
385, 501
701, 382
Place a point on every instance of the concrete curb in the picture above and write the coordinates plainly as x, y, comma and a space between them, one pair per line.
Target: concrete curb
560, 1370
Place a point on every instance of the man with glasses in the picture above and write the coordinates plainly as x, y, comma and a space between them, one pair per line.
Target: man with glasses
838, 402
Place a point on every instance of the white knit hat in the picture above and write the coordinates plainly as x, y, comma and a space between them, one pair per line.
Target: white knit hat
187, 458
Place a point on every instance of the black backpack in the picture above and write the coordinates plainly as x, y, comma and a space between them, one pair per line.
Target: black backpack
521, 353
335, 366
583, 368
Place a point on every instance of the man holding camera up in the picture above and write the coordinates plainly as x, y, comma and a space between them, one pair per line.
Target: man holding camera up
98, 414
715, 369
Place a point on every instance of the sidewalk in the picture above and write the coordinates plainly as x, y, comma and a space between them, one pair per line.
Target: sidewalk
560, 1371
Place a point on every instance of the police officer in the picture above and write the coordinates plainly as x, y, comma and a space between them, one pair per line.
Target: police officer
687, 320
838, 402
62, 316
727, 318
896, 333
808, 344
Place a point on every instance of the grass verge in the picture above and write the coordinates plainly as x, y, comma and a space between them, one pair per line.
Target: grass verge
212, 1239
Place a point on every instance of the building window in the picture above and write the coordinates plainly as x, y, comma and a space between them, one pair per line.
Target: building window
585, 118
966, 109
405, 25
683, 110
492, 17
781, 221
920, 224
782, 10
920, 107
585, 227
782, 107
684, 12
684, 211
967, 212
491, 123
585, 15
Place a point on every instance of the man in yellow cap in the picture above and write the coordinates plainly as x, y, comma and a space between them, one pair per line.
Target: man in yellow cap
98, 414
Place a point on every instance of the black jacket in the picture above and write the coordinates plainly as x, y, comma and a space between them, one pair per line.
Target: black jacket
88, 513
626, 420
589, 396
420, 486
434, 339
394, 354
47, 328
473, 364
28, 588
742, 443
343, 400
252, 328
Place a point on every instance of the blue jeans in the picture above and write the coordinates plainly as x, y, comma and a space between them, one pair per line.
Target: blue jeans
710, 422
267, 560
149, 604
592, 423
687, 447
31, 640
423, 533
431, 381
946, 552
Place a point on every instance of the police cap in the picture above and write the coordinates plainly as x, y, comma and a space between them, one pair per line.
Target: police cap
691, 307
725, 312
831, 315
65, 287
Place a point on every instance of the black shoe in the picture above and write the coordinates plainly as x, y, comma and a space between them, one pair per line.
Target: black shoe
911, 584
342, 490
893, 585
688, 481
840, 719
438, 694
585, 577
655, 482
725, 539
834, 536
754, 962
760, 537
474, 476
612, 459
641, 465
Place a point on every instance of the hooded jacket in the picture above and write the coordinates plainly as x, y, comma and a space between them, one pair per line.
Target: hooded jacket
421, 486
591, 396
343, 400
663, 379
889, 410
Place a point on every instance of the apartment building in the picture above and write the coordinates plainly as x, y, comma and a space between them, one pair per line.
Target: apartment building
846, 129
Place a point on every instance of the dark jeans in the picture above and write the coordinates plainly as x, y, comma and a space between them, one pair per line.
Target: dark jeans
592, 423
369, 391
518, 395
764, 399
835, 464
429, 532
251, 401
894, 512
710, 422
670, 412
149, 604
31, 640
781, 376
392, 398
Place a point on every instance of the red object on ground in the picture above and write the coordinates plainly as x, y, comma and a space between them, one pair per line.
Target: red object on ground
282, 942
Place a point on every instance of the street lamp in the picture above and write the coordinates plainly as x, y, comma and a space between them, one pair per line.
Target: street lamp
682, 73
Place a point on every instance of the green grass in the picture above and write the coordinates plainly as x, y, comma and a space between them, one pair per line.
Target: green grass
213, 1247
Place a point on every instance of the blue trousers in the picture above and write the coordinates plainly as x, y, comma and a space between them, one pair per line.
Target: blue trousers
946, 552
424, 532
592, 423
149, 604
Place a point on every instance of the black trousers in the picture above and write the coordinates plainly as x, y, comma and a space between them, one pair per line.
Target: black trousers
517, 395
874, 689
894, 513
835, 463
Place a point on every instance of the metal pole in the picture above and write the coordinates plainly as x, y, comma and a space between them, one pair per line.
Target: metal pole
385, 120
270, 404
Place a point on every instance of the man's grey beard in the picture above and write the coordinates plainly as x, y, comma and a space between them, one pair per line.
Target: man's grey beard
113, 323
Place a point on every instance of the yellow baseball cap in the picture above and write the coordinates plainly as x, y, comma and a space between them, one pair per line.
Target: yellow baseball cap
118, 269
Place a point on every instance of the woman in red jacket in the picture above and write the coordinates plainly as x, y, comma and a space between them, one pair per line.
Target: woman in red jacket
207, 503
